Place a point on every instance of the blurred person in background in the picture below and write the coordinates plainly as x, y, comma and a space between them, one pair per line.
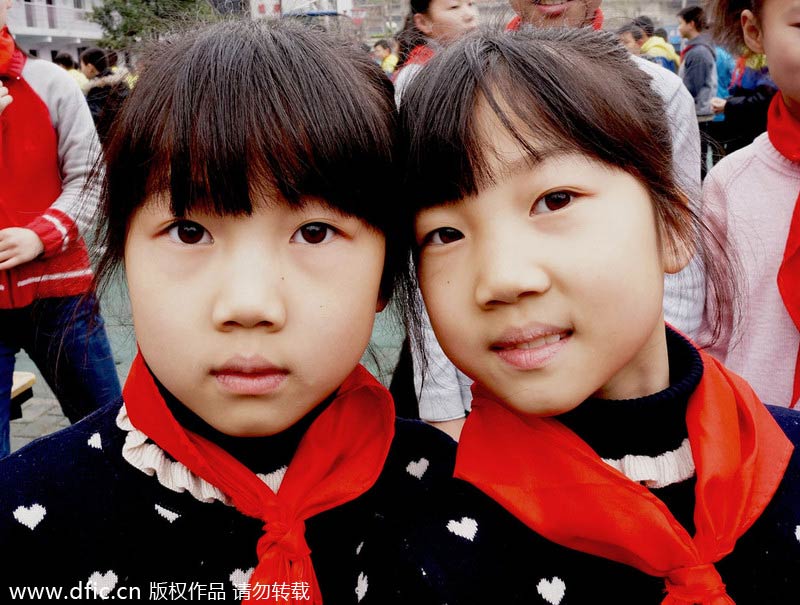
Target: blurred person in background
699, 73
388, 60
47, 308
65, 60
105, 90
429, 25
632, 37
655, 46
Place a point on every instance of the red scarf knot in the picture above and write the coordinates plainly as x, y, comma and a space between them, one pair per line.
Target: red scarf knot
289, 538
698, 584
339, 458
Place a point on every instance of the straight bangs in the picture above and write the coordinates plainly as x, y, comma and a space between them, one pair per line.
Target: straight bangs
242, 109
555, 91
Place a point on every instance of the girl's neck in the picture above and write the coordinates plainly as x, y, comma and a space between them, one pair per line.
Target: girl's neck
649, 425
259, 454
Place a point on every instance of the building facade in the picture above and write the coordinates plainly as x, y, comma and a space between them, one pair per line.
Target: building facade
46, 27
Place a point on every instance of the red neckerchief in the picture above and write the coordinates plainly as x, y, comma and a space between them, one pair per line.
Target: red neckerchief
551, 480
783, 130
738, 71
597, 21
7, 48
419, 55
339, 458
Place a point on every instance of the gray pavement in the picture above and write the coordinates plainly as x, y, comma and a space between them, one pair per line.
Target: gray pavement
41, 415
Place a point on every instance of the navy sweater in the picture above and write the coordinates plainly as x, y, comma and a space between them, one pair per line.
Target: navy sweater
471, 550
73, 510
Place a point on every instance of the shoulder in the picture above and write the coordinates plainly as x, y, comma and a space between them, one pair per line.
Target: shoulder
753, 163
421, 457
48, 79
63, 459
789, 420
60, 483
106, 83
663, 81
404, 77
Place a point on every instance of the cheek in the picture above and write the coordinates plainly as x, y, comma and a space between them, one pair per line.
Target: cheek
346, 297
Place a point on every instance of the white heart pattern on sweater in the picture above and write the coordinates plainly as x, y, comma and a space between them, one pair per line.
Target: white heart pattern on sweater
103, 584
553, 590
95, 441
240, 578
30, 516
417, 468
466, 528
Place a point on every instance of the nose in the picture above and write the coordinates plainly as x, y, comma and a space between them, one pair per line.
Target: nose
250, 292
508, 270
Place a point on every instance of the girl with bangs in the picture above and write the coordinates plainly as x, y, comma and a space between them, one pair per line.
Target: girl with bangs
611, 458
251, 456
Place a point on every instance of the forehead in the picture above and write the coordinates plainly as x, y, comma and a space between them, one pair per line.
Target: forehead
503, 153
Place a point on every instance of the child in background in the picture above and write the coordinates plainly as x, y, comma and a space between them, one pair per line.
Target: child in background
252, 453
746, 103
752, 201
607, 460
429, 25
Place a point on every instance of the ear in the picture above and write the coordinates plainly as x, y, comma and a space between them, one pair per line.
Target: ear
677, 250
423, 23
751, 29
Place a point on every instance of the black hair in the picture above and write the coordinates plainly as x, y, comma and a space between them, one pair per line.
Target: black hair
632, 29
243, 108
65, 60
661, 33
695, 15
383, 44
646, 23
554, 90
96, 57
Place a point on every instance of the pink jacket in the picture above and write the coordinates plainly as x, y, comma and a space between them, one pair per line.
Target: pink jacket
749, 198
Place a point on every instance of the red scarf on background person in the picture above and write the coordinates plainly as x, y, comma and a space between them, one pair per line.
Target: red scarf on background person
783, 130
339, 458
551, 480
419, 55
7, 48
597, 21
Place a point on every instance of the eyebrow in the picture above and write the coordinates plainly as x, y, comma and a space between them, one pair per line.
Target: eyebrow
527, 162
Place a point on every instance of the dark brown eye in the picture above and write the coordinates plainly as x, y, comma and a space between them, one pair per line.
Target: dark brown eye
550, 202
313, 233
445, 235
189, 232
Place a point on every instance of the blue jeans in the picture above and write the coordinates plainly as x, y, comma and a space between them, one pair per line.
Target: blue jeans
67, 341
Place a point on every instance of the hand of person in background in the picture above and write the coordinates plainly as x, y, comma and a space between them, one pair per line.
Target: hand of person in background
718, 104
18, 245
5, 98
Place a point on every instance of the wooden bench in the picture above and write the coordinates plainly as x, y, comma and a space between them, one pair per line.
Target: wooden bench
21, 391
